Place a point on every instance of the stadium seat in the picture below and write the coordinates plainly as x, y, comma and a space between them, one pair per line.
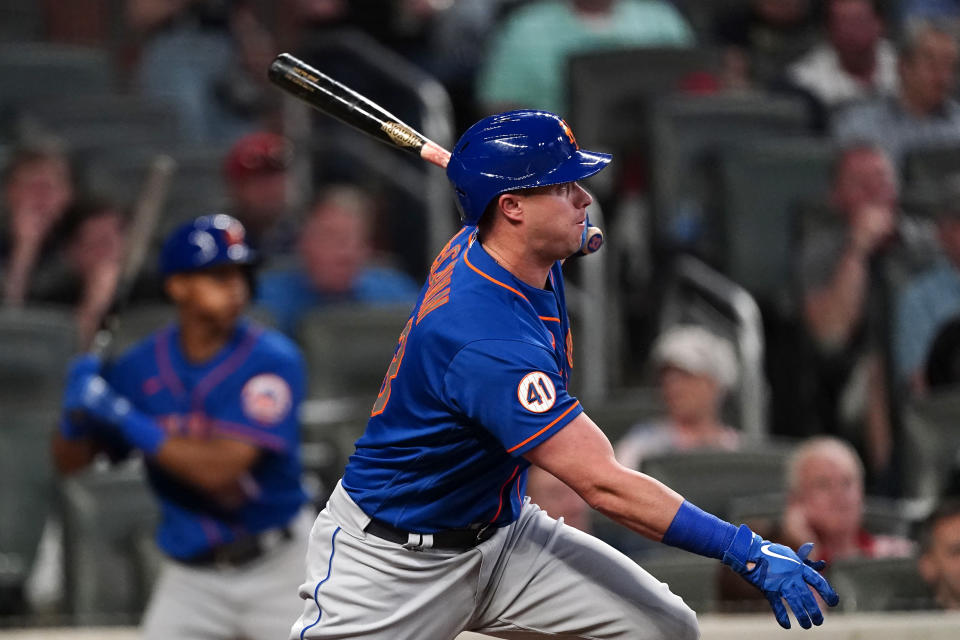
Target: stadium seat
687, 132
611, 91
761, 184
35, 346
32, 71
27, 483
35, 343
348, 348
107, 121
712, 479
925, 168
887, 584
196, 187
21, 20
931, 444
109, 562
329, 428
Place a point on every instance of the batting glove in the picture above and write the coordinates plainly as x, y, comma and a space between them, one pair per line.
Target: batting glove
781, 574
73, 424
91, 396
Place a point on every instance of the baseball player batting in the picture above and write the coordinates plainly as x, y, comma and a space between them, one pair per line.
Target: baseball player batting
428, 533
211, 403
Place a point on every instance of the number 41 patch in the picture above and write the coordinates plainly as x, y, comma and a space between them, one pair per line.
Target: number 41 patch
536, 392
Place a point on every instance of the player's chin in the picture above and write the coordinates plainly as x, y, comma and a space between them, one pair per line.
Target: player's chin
225, 318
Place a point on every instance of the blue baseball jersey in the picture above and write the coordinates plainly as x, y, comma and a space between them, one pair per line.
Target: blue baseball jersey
479, 377
250, 391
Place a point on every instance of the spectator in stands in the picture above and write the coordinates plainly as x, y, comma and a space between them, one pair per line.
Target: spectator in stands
526, 63
825, 504
697, 369
939, 562
924, 112
931, 300
337, 263
853, 62
207, 58
761, 38
558, 499
257, 176
843, 298
37, 191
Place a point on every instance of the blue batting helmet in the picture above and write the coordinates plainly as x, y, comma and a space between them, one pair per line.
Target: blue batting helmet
205, 242
516, 150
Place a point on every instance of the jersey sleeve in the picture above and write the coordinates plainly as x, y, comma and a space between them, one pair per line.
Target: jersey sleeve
513, 389
264, 410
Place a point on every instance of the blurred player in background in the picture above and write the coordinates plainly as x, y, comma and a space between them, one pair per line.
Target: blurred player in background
428, 533
211, 404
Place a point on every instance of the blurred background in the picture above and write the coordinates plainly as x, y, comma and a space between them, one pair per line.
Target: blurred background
779, 282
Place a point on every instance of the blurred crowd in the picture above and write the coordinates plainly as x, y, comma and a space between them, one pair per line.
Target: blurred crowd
862, 329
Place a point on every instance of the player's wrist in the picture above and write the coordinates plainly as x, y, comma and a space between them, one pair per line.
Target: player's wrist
71, 429
697, 531
739, 555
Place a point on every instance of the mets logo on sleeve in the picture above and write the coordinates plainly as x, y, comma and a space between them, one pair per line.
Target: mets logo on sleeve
536, 392
266, 398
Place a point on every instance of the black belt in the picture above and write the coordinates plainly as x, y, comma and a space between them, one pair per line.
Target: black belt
449, 539
241, 551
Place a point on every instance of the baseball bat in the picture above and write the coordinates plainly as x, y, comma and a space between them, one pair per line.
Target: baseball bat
143, 223
325, 94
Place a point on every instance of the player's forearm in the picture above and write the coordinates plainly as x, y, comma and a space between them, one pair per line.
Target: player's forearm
211, 465
581, 456
637, 501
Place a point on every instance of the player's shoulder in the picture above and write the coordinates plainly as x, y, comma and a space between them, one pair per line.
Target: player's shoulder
273, 346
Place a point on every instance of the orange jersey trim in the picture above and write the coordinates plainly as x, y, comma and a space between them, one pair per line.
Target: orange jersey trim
549, 319
466, 260
546, 428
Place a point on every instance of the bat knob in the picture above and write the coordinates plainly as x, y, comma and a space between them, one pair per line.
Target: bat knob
593, 241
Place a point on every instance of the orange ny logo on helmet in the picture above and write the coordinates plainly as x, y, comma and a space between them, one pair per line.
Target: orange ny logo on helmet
234, 234
567, 130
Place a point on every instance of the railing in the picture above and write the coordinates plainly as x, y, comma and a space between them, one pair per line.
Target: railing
738, 306
590, 305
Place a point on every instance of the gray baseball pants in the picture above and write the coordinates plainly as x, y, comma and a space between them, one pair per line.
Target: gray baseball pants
535, 578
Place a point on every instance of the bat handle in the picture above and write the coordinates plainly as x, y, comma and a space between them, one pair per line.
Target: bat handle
435, 154
101, 342
593, 241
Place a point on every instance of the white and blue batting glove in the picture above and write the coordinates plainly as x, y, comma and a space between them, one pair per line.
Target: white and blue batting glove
90, 395
781, 575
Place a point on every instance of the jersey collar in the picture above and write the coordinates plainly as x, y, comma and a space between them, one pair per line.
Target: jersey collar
483, 264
